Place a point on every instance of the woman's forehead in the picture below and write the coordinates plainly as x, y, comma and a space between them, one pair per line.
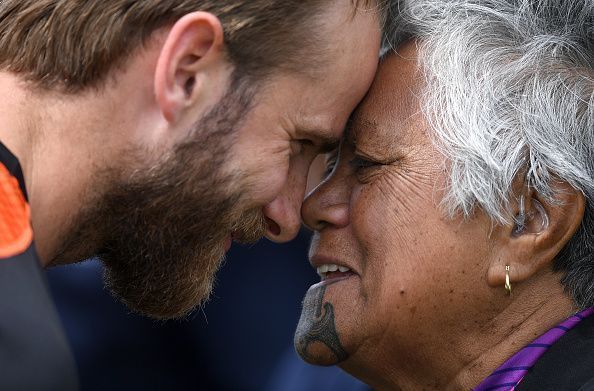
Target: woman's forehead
391, 112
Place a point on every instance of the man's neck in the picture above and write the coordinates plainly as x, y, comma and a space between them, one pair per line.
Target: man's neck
46, 134
16, 122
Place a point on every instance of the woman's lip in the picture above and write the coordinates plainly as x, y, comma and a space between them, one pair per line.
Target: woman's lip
319, 260
335, 276
330, 281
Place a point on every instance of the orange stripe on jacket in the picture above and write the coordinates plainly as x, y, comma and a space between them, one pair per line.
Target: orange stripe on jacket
16, 234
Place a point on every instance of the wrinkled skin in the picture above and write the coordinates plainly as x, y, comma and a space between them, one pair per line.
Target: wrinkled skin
424, 305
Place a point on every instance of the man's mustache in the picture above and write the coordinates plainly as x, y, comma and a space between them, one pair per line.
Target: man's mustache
250, 227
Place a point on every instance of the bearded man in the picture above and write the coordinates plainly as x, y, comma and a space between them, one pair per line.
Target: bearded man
150, 134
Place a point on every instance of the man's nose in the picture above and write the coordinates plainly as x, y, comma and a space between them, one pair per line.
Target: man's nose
283, 218
283, 214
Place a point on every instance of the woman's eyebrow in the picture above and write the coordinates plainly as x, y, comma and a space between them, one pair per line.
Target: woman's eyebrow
355, 125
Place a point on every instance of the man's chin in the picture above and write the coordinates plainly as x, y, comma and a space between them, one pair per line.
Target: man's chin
161, 308
163, 294
168, 273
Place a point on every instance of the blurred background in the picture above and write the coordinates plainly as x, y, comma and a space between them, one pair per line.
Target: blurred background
242, 340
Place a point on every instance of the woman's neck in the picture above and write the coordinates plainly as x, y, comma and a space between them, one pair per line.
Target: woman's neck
524, 320
468, 355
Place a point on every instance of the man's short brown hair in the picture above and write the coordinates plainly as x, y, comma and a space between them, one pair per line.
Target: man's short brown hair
74, 44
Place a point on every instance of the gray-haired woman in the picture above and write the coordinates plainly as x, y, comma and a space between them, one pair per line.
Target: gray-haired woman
455, 232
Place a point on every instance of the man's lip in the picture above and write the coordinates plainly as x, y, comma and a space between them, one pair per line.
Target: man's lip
319, 260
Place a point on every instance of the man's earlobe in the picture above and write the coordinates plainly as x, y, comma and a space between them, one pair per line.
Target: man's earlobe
540, 230
192, 48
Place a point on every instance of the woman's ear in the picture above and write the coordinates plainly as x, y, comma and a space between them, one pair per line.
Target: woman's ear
540, 231
190, 55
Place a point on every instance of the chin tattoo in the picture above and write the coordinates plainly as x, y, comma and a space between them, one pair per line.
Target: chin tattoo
316, 338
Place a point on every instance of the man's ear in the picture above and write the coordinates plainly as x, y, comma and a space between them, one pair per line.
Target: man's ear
540, 231
191, 52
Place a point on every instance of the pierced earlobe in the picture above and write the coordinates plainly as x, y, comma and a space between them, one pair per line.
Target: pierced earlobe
508, 287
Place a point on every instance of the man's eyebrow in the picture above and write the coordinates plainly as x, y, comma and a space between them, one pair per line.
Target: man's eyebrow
325, 142
329, 144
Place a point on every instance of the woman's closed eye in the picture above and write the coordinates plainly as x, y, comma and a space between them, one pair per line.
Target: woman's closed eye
363, 168
359, 165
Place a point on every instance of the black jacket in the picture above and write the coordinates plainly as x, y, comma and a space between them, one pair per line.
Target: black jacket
568, 365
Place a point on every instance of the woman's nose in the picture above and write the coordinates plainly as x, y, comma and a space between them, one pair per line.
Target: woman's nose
327, 206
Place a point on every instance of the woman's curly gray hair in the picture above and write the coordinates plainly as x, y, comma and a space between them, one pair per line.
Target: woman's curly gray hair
510, 93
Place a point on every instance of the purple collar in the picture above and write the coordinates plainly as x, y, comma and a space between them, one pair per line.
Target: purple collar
511, 373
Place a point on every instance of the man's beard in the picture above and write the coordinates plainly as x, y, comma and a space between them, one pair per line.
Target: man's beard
162, 233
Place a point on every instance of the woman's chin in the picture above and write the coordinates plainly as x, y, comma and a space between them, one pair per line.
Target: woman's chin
319, 354
329, 320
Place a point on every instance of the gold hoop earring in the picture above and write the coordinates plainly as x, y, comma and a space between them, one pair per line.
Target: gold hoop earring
508, 287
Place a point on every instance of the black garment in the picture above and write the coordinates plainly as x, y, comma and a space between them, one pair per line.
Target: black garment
34, 354
568, 365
